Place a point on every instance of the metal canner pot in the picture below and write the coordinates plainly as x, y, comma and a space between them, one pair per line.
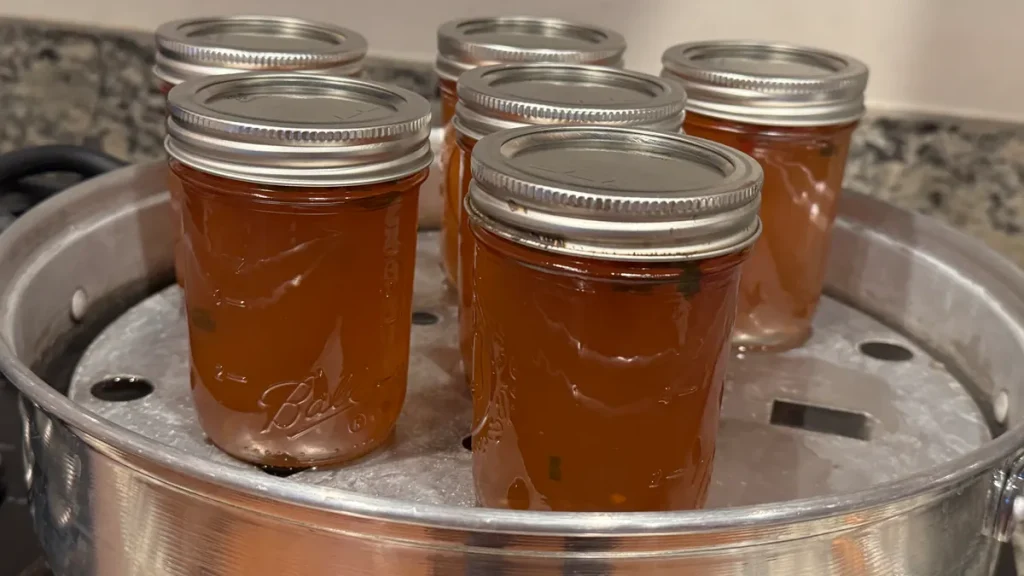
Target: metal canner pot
890, 444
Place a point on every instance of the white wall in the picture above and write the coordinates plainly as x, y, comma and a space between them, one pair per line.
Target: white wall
943, 56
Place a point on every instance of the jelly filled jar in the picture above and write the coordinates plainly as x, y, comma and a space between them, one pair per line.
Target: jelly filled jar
299, 201
493, 98
198, 47
794, 109
467, 43
606, 268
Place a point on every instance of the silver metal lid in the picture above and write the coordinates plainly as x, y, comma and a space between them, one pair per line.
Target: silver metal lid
768, 83
505, 96
200, 47
615, 193
465, 44
293, 129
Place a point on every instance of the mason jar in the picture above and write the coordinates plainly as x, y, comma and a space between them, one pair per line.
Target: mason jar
494, 98
466, 43
607, 264
794, 109
299, 204
198, 47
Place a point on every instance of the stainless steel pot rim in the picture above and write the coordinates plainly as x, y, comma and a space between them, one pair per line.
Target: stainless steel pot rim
904, 493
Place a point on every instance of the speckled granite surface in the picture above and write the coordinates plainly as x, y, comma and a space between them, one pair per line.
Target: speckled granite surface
94, 88
969, 174
76, 86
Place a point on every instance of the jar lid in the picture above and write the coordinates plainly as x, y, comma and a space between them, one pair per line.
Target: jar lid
505, 96
200, 47
294, 129
615, 193
768, 83
465, 44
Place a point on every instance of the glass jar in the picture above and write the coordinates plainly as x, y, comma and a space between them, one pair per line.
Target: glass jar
199, 47
299, 200
493, 98
605, 275
467, 43
793, 109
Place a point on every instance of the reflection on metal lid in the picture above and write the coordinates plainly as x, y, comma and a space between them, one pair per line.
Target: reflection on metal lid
471, 42
508, 96
224, 45
298, 129
616, 193
768, 83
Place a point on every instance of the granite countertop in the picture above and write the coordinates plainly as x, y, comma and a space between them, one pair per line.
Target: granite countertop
78, 86
60, 84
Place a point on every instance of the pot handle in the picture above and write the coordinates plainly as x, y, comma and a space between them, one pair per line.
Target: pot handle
1006, 500
55, 158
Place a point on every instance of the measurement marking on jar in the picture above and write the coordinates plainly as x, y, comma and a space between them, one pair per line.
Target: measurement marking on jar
224, 376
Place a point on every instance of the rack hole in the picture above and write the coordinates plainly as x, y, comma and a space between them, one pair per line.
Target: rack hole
819, 419
122, 389
886, 351
280, 471
421, 318
467, 442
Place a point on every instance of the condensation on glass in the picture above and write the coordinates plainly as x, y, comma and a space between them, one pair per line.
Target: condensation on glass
299, 207
493, 98
199, 47
605, 274
794, 109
